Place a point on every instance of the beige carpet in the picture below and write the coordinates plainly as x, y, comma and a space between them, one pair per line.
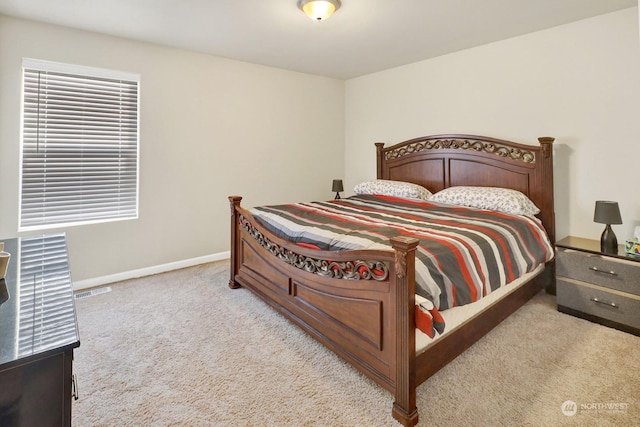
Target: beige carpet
182, 349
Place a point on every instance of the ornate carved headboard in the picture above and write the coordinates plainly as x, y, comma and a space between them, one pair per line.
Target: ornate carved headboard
441, 161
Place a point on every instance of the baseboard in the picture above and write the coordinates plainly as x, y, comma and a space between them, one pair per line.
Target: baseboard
148, 271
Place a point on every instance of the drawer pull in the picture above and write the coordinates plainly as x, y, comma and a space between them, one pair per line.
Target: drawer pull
609, 304
597, 270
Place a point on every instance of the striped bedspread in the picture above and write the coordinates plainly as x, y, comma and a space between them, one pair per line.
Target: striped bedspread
463, 254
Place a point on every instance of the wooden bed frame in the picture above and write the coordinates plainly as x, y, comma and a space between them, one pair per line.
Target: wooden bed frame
370, 323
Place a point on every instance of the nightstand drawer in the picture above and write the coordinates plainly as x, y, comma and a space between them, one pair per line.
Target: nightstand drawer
608, 272
599, 302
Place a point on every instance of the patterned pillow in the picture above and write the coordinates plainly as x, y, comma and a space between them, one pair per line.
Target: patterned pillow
385, 187
492, 198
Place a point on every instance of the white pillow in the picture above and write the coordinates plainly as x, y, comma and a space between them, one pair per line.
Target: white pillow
492, 198
385, 187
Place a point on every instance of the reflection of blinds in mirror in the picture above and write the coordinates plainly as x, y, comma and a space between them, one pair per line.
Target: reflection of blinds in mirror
47, 313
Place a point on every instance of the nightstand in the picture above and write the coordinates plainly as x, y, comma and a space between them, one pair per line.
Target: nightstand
602, 288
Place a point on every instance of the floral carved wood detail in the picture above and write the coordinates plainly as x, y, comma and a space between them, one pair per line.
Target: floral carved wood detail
462, 144
350, 270
401, 263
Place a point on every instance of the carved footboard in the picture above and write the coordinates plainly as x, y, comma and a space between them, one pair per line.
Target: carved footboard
360, 304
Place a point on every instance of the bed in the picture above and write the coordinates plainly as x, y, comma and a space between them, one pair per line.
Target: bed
362, 303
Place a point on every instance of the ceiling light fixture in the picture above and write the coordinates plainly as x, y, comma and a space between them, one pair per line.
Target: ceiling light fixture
319, 10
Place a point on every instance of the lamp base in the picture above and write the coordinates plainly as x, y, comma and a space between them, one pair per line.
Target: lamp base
337, 196
608, 241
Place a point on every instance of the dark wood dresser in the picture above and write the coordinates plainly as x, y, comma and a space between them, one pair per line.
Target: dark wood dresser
38, 332
602, 288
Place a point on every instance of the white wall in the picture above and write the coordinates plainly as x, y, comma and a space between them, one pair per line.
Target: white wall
578, 82
210, 127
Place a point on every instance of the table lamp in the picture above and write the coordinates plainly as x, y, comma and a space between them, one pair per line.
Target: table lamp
337, 187
608, 213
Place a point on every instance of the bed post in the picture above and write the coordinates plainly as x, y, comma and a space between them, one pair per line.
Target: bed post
404, 406
379, 147
234, 202
548, 215
546, 142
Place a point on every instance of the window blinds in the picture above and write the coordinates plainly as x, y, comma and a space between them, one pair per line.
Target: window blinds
79, 145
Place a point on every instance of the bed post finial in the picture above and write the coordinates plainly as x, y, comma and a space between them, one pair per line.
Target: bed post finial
546, 142
234, 203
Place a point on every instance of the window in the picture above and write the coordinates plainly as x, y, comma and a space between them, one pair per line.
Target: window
79, 145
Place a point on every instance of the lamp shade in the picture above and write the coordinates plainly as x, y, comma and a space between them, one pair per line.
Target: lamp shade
607, 212
319, 10
337, 186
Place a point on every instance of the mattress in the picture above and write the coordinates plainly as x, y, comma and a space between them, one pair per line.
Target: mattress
457, 316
